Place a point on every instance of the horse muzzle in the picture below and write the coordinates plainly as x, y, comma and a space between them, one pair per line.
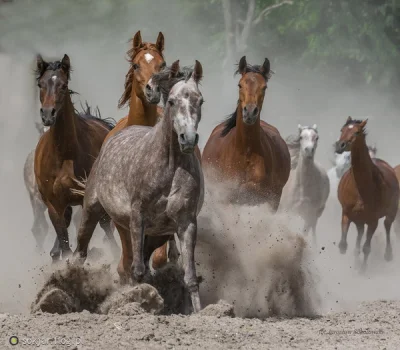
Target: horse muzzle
250, 114
340, 147
48, 115
188, 142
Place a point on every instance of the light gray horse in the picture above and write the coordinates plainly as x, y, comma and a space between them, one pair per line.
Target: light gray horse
307, 189
149, 181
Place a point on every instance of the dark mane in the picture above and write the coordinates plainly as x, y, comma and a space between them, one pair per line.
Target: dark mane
56, 65
229, 123
355, 122
86, 114
126, 96
165, 83
256, 69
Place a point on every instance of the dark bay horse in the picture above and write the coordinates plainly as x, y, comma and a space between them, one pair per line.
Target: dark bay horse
368, 191
66, 152
151, 193
247, 150
145, 59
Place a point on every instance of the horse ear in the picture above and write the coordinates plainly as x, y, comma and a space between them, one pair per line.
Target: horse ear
242, 65
348, 119
66, 64
363, 123
174, 69
41, 65
160, 42
266, 67
197, 72
315, 127
300, 127
137, 41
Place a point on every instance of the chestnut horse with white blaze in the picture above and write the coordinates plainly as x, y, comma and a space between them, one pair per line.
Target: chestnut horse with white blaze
368, 191
246, 150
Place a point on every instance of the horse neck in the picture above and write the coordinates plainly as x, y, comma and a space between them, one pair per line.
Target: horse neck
363, 168
64, 131
166, 141
247, 136
305, 167
140, 112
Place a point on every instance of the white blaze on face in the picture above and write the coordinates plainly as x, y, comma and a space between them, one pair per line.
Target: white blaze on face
54, 77
148, 57
308, 139
351, 126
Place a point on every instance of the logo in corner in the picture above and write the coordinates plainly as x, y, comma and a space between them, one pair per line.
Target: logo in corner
14, 340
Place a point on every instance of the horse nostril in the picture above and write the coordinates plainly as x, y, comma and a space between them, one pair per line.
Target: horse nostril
245, 108
148, 87
53, 112
182, 138
158, 89
255, 111
196, 139
41, 110
342, 145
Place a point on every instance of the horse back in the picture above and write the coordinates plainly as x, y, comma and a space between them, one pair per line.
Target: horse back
121, 124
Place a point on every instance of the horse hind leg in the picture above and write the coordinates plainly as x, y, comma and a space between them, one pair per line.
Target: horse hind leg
107, 225
367, 245
388, 252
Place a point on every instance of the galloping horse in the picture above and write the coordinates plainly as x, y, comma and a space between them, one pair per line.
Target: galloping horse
66, 152
162, 82
247, 150
151, 193
145, 59
367, 192
40, 226
307, 189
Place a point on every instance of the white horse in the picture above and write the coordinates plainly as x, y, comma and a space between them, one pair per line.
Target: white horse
307, 189
341, 164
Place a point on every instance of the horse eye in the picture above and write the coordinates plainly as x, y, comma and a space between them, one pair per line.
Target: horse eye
39, 86
264, 88
240, 86
170, 102
163, 65
201, 102
135, 66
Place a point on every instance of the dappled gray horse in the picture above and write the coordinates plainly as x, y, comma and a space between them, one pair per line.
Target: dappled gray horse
307, 189
149, 182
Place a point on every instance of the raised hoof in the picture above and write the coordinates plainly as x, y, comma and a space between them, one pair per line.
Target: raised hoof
388, 255
343, 247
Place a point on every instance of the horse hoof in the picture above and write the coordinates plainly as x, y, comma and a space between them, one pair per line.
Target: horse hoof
342, 248
388, 256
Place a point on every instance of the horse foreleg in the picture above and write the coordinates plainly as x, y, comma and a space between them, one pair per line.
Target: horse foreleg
345, 230
187, 234
360, 233
108, 227
40, 226
388, 252
58, 220
367, 245
125, 262
91, 215
138, 267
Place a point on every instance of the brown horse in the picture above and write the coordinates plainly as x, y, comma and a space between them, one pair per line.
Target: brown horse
246, 149
145, 60
66, 152
367, 192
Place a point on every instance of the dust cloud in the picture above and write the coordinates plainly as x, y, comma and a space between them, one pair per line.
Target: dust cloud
235, 254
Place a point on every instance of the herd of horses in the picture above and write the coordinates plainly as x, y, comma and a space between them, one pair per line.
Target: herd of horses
144, 175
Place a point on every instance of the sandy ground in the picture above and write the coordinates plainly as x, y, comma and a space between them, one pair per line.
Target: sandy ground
373, 325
